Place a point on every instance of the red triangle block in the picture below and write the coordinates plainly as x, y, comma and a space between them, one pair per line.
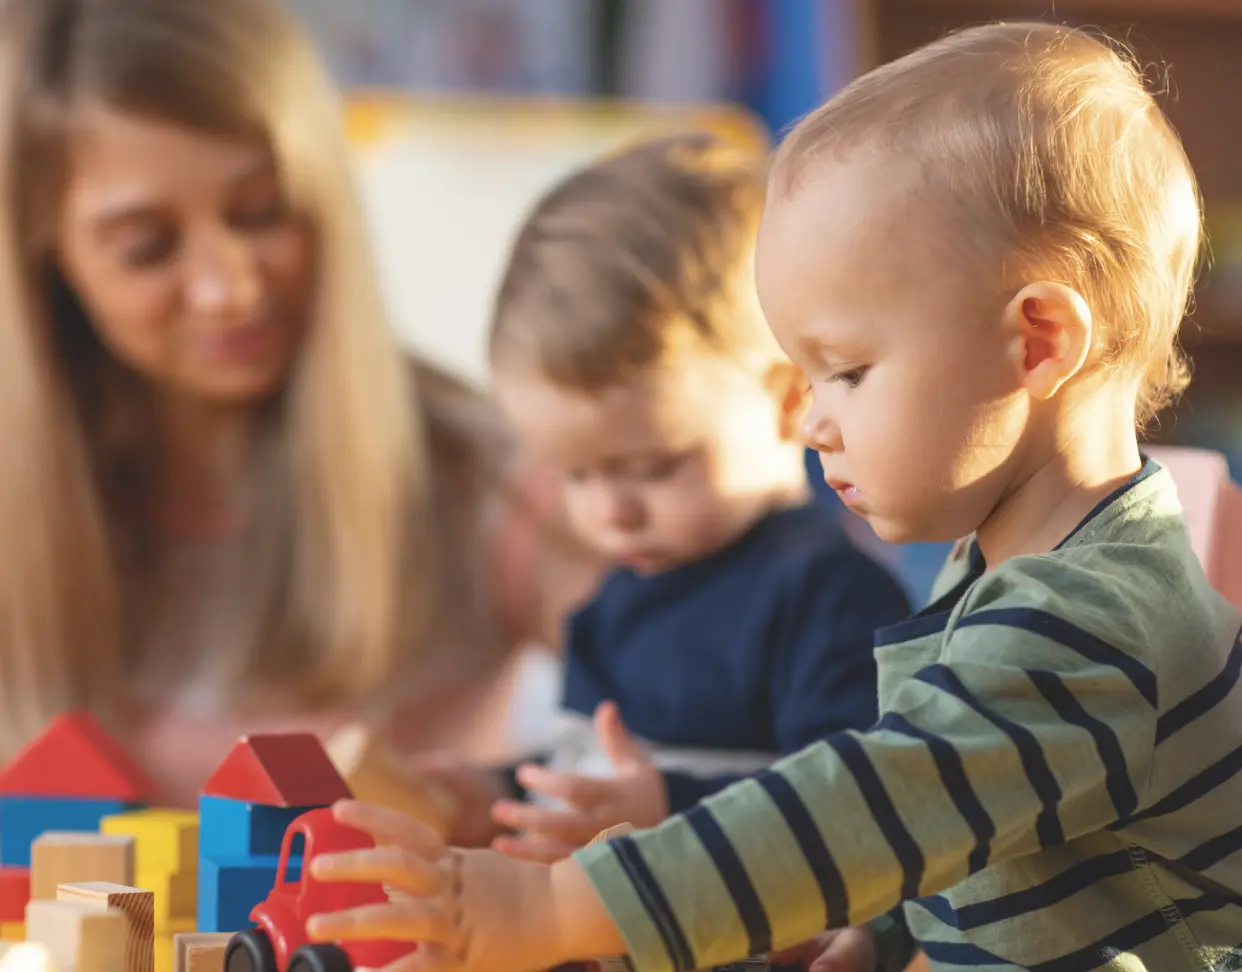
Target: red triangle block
278, 770
75, 757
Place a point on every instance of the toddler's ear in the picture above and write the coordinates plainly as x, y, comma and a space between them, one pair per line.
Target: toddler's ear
1049, 325
789, 390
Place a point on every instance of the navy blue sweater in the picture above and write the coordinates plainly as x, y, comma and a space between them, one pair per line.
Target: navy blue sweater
762, 648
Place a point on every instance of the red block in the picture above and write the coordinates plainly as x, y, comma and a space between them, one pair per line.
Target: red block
14, 893
75, 757
278, 770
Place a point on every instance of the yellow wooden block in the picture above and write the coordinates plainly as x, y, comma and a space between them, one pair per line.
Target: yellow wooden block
12, 931
176, 896
167, 840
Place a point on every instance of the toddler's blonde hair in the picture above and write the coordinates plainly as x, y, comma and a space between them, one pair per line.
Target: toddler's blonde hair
643, 255
1048, 143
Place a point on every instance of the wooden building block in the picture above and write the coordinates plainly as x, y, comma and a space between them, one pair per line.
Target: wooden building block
13, 931
377, 775
22, 819
14, 893
81, 937
136, 905
27, 957
176, 895
200, 951
75, 757
66, 858
166, 840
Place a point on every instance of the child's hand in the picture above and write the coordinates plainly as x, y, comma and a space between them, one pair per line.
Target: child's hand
840, 950
470, 911
635, 795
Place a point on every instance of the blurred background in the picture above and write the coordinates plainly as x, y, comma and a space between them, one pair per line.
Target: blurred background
463, 110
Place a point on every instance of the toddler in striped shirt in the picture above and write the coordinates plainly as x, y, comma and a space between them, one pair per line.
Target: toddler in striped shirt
979, 256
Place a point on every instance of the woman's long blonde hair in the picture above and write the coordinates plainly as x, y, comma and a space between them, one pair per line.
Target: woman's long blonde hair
347, 499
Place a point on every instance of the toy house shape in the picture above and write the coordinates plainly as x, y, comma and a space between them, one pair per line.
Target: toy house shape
278, 770
75, 757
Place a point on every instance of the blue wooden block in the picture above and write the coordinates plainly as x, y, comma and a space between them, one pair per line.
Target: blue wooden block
22, 819
228, 887
233, 828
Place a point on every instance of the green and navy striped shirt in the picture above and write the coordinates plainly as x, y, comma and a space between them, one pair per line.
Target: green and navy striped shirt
1054, 783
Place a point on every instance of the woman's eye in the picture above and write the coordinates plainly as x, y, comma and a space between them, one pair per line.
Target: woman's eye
150, 251
268, 214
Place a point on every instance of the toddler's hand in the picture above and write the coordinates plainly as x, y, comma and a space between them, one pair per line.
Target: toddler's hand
839, 950
471, 911
634, 795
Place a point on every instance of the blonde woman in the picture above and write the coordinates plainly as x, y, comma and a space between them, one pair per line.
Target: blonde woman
228, 501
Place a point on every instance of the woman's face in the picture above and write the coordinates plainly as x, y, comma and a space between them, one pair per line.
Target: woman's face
184, 252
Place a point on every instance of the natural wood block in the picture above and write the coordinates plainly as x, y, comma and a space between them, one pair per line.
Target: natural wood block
200, 951
80, 937
27, 957
376, 774
138, 907
68, 858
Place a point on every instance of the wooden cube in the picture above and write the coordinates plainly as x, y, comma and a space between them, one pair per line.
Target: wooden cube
136, 905
375, 774
80, 937
167, 840
61, 857
176, 896
27, 956
200, 951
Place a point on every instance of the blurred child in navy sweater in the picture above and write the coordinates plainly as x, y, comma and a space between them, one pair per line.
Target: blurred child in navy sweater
629, 353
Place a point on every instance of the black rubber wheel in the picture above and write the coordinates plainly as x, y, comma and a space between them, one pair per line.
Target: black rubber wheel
249, 951
317, 958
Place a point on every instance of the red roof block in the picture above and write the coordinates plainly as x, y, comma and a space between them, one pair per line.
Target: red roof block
278, 770
75, 757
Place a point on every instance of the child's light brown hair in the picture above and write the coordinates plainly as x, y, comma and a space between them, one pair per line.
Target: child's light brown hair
643, 255
1046, 144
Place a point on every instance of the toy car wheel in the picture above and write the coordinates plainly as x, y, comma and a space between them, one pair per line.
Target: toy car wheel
318, 958
249, 951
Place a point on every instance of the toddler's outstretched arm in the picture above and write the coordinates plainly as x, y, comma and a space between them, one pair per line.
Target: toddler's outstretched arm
473, 911
984, 756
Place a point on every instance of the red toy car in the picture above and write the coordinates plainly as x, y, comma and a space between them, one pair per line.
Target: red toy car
279, 942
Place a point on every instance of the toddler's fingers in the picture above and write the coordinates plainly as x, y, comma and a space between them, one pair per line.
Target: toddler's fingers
389, 827
426, 958
402, 920
386, 864
542, 850
570, 825
581, 791
851, 951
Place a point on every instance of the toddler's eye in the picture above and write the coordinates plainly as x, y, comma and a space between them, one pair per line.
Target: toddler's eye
852, 378
662, 467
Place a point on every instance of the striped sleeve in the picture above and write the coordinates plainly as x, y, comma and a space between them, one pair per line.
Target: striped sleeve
1035, 726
